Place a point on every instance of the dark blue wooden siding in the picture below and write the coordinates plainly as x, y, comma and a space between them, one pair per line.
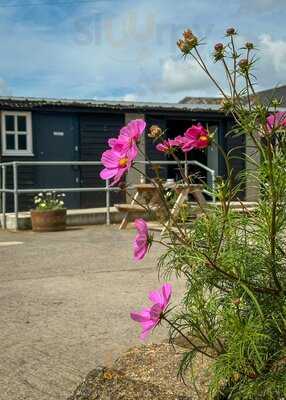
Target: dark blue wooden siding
152, 153
237, 162
95, 130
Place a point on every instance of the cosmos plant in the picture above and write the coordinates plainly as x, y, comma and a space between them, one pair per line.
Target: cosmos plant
233, 310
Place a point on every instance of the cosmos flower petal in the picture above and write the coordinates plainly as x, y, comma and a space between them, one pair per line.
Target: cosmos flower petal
108, 173
137, 128
119, 175
141, 226
149, 318
147, 330
112, 142
141, 316
276, 120
110, 159
167, 293
156, 297
140, 244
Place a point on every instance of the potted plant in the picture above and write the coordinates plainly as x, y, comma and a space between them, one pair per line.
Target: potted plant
49, 214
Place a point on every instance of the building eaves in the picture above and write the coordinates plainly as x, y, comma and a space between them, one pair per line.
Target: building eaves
201, 100
30, 103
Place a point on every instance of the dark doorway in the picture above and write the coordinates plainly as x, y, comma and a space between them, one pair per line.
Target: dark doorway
57, 138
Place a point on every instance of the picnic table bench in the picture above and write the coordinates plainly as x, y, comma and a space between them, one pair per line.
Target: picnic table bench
148, 195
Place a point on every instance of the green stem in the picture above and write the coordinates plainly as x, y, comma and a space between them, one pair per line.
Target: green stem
205, 68
234, 56
273, 232
199, 349
235, 278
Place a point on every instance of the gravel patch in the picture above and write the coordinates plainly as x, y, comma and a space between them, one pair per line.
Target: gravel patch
145, 373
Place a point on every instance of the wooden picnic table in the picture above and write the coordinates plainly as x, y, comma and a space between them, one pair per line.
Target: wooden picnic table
149, 193
149, 196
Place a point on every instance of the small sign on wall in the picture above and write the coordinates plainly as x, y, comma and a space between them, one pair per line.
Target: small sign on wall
58, 133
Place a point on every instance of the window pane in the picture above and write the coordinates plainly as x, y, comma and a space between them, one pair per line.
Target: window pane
22, 126
10, 123
22, 142
10, 142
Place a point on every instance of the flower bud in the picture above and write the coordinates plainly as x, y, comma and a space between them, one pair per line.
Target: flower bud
244, 65
219, 47
249, 45
252, 375
219, 51
155, 132
231, 32
192, 42
188, 42
188, 34
183, 46
237, 301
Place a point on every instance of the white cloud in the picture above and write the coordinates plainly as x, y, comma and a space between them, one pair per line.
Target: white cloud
115, 54
4, 88
125, 53
271, 63
260, 5
273, 52
179, 76
130, 97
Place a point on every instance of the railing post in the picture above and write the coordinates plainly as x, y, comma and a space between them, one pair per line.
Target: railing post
186, 165
3, 196
213, 186
107, 203
15, 181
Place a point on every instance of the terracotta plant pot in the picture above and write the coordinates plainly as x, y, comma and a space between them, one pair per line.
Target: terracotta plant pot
48, 221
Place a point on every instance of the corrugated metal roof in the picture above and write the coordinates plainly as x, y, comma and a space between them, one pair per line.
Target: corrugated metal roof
263, 96
35, 103
279, 92
201, 100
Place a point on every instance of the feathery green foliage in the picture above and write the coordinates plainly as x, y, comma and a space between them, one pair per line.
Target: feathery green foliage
234, 264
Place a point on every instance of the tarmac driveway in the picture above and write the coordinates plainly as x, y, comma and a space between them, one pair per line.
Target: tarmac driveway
65, 300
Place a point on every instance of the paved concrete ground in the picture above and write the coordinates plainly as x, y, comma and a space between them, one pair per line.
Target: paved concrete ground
65, 300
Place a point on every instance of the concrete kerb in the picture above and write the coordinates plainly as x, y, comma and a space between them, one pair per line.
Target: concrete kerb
93, 216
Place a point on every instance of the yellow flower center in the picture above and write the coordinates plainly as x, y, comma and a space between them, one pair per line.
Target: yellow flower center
123, 162
203, 138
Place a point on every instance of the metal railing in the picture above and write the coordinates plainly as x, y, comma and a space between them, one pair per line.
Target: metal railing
16, 191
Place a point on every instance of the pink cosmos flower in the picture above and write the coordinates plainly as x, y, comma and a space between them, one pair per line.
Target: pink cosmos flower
129, 135
277, 120
116, 165
150, 317
196, 137
180, 141
123, 150
141, 241
166, 146
121, 145
133, 130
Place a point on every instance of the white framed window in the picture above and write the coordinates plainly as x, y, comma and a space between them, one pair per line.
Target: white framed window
16, 133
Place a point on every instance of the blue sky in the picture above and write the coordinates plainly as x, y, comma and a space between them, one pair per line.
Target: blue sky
126, 49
